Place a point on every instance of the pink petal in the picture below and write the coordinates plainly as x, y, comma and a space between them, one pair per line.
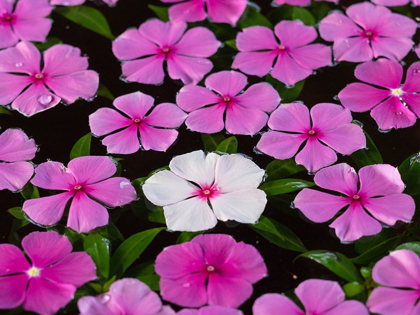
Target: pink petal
225, 11
349, 308
54, 176
92, 169
353, 49
345, 139
392, 48
219, 310
244, 121
340, 177
245, 206
189, 70
67, 2
16, 146
190, 11
294, 33
367, 15
63, 60
123, 142
106, 120
393, 114
131, 45
12, 290
293, 117
360, 97
157, 139
86, 214
45, 297
355, 223
391, 301
12, 261
261, 96
46, 248
288, 71
412, 80
113, 192
227, 83
315, 156
254, 63
13, 176
312, 56
413, 102
396, 25
25, 55
89, 305
161, 33
280, 145
327, 116
293, 2
47, 210
227, 292
135, 105
166, 115
256, 38
192, 97
146, 70
337, 26
11, 86
390, 3
6, 6
7, 36
272, 302
32, 30
382, 72
197, 42
30, 9
207, 120
319, 206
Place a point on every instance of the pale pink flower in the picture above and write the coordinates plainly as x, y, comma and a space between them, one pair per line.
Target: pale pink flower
399, 273
87, 180
144, 51
27, 21
211, 269
63, 78
151, 125
246, 113
46, 283
326, 128
376, 190
395, 3
395, 105
15, 149
200, 188
320, 297
368, 31
78, 2
301, 3
125, 297
295, 57
210, 310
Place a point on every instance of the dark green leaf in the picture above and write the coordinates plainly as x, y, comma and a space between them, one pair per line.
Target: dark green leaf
230, 145
367, 156
112, 233
187, 236
104, 92
378, 248
88, 17
82, 147
130, 250
223, 32
161, 12
152, 281
211, 141
231, 43
97, 247
252, 17
283, 12
284, 203
284, 186
51, 41
336, 263
158, 170
17, 213
29, 191
157, 216
353, 289
278, 169
410, 174
278, 234
320, 10
5, 111
303, 15
16, 225
414, 246
288, 93
146, 268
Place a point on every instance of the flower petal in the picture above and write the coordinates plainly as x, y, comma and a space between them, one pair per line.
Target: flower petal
166, 115
392, 48
353, 49
380, 180
12, 290
413, 102
294, 33
193, 97
293, 117
412, 81
261, 96
11, 86
63, 60
161, 33
113, 192
157, 139
106, 120
92, 169
340, 177
392, 301
227, 83
288, 71
337, 26
135, 105
360, 97
89, 305
254, 63
25, 55
16, 146
225, 11
345, 139
197, 42
190, 11
30, 9
348, 308
54, 176
244, 121
382, 72
256, 38
367, 15
312, 56
280, 145
147, 70
207, 120
13, 176
12, 261
123, 142
189, 70
131, 45
34, 29
270, 303
315, 155
7, 36
328, 116
227, 292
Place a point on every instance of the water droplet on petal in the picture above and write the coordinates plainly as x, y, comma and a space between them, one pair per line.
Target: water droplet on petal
384, 130
415, 71
104, 298
186, 285
124, 183
18, 64
399, 113
45, 99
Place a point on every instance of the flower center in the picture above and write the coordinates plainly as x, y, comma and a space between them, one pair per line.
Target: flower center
397, 92
207, 193
78, 187
33, 272
227, 99
210, 268
368, 34
312, 132
7, 18
356, 197
281, 48
137, 121
39, 76
166, 50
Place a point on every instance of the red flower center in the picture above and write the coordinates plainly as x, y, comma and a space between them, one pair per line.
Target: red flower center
166, 50
210, 268
312, 132
137, 121
39, 76
6, 18
78, 187
227, 99
356, 197
369, 34
208, 192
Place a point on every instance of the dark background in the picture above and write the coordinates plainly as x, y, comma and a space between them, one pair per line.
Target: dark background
56, 130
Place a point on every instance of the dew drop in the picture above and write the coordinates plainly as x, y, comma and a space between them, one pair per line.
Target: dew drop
45, 99
340, 21
104, 298
336, 98
186, 285
18, 64
399, 113
384, 130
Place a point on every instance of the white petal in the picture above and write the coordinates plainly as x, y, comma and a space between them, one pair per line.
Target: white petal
245, 206
189, 215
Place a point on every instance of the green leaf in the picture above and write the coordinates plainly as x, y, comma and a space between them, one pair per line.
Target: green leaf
157, 216
51, 41
5, 111
146, 268
303, 15
88, 17
17, 213
187, 236
29, 191
378, 248
278, 234
368, 156
16, 225
97, 247
320, 10
161, 12
410, 174
211, 141
104, 92
278, 169
284, 186
231, 43
230, 145
130, 250
252, 17
336, 263
414, 246
353, 289
82, 147
152, 281
283, 12
288, 93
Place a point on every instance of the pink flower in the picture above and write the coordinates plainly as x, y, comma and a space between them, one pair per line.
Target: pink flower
125, 296
320, 297
85, 177
301, 2
219, 11
210, 310
368, 32
246, 113
228, 183
64, 74
399, 273
296, 58
79, 2
377, 189
50, 280
394, 105
292, 126
211, 269
27, 21
15, 149
156, 41
395, 3
136, 106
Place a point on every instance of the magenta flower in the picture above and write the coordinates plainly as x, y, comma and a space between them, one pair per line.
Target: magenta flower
136, 106
296, 57
399, 273
211, 269
27, 21
368, 32
395, 3
79, 2
15, 149
219, 11
210, 310
331, 125
394, 105
50, 280
301, 2
156, 41
63, 78
125, 296
200, 188
320, 297
377, 189
246, 113
86, 180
